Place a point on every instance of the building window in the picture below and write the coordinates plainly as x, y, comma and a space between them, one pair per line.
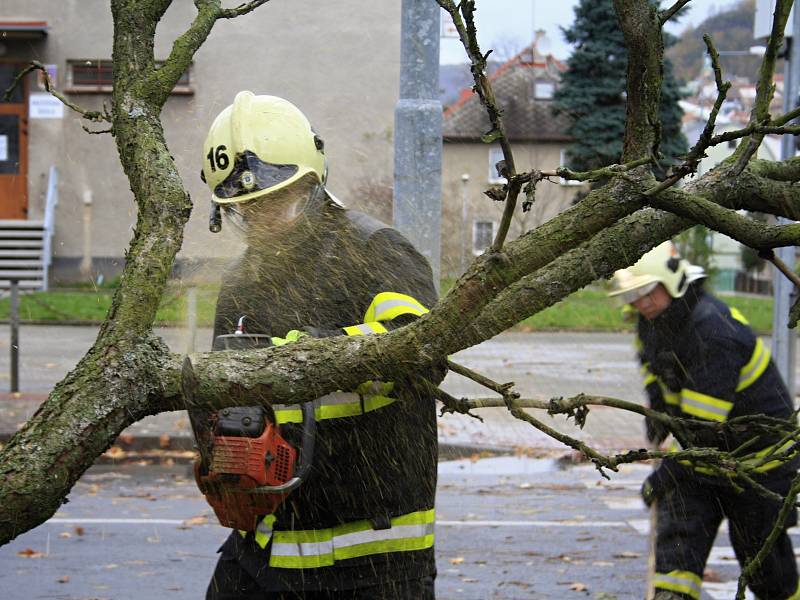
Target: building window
562, 159
97, 77
495, 156
544, 90
482, 235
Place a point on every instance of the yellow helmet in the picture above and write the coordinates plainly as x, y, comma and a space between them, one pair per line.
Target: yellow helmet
259, 145
661, 265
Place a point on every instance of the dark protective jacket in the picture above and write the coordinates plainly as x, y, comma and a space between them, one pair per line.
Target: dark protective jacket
701, 360
374, 473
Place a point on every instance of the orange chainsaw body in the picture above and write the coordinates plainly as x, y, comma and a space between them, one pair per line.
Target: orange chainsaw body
240, 465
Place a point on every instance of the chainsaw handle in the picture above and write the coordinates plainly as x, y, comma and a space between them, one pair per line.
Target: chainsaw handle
306, 456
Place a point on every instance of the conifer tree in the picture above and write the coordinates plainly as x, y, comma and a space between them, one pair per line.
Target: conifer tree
592, 91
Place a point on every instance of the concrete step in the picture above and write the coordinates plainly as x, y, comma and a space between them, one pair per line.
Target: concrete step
18, 244
21, 253
16, 263
25, 234
24, 284
20, 224
20, 274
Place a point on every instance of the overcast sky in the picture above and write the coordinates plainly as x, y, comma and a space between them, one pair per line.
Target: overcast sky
509, 24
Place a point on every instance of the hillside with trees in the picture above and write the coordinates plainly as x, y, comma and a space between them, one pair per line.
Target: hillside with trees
731, 30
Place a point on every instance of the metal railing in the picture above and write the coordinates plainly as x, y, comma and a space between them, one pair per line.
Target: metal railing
51, 201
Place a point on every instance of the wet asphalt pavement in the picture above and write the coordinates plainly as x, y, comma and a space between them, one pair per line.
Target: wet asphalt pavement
507, 528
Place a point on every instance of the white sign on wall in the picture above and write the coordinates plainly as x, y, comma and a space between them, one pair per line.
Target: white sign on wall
45, 106
3, 148
448, 27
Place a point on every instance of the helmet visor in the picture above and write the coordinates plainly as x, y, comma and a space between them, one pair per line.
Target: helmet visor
251, 174
631, 296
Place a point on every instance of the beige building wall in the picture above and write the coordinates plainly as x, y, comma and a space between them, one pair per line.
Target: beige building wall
473, 159
338, 61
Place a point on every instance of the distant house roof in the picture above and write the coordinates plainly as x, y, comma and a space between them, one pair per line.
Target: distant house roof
526, 117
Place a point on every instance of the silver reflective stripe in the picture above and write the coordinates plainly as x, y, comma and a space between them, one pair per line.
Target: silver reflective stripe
704, 406
387, 305
332, 399
397, 532
364, 329
302, 548
692, 587
264, 528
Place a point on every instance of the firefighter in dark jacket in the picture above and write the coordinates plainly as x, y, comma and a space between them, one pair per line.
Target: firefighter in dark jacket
701, 360
361, 524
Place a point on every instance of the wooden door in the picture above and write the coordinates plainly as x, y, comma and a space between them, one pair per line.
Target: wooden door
13, 145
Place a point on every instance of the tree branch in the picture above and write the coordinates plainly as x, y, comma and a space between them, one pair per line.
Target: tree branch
483, 87
758, 236
35, 65
640, 24
777, 530
666, 14
242, 9
765, 88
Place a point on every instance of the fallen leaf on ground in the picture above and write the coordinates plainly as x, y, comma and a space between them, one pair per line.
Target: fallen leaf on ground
469, 580
457, 560
79, 530
29, 553
579, 587
115, 452
65, 534
201, 520
627, 554
63, 579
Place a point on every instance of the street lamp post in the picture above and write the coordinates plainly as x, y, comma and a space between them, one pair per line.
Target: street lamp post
464, 221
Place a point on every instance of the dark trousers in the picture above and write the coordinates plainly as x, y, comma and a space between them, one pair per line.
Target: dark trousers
231, 582
690, 515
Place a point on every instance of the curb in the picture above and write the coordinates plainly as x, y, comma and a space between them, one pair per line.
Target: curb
180, 449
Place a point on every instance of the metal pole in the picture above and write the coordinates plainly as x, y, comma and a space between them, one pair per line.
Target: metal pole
464, 222
14, 336
418, 132
784, 340
191, 319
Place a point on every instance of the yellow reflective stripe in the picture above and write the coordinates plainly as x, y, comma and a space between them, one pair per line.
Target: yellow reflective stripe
704, 406
768, 466
736, 314
390, 305
264, 530
683, 582
334, 406
796, 595
755, 367
648, 376
671, 398
304, 549
322, 547
291, 336
365, 329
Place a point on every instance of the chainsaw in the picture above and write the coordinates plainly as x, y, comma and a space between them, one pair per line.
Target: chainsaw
246, 468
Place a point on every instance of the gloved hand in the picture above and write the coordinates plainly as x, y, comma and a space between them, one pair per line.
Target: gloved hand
667, 476
655, 430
